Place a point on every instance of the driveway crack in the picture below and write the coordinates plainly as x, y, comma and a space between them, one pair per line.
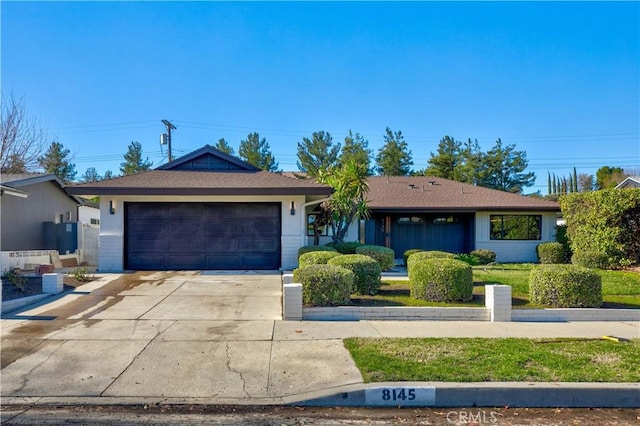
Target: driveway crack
239, 373
25, 378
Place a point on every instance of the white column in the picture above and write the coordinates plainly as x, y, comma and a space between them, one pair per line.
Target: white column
498, 299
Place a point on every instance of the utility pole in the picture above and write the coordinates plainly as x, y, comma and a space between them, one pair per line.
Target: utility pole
169, 128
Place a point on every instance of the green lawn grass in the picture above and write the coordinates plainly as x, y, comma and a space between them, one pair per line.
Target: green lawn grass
482, 359
620, 289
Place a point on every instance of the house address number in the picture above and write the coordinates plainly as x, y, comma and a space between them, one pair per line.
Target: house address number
396, 396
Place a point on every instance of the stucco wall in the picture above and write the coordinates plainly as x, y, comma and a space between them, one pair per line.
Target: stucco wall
111, 249
22, 218
513, 250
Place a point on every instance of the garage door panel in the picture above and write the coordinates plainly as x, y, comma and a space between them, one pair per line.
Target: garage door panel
190, 246
146, 244
147, 261
168, 236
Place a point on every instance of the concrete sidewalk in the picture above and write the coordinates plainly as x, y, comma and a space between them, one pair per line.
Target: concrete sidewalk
218, 339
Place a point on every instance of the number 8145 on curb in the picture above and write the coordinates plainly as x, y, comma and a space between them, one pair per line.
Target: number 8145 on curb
400, 396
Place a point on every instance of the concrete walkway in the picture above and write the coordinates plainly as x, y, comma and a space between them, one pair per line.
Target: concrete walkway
219, 338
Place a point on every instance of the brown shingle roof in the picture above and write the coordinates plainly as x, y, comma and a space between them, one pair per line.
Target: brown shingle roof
431, 193
176, 182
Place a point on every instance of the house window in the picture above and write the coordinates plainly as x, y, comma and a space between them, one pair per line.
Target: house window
95, 221
410, 220
516, 227
311, 220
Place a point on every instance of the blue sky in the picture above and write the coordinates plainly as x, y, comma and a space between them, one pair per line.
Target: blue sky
561, 80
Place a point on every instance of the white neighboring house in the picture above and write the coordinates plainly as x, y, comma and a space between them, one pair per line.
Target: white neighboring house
88, 212
629, 182
204, 211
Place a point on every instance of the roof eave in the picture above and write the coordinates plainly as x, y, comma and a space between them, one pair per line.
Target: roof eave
198, 191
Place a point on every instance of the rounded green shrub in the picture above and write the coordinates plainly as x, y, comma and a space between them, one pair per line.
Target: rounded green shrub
383, 255
316, 258
406, 254
470, 259
346, 248
431, 254
550, 252
440, 279
366, 270
565, 286
324, 285
306, 249
486, 256
590, 259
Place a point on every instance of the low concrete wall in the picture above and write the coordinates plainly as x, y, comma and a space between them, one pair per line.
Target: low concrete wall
575, 314
497, 309
395, 313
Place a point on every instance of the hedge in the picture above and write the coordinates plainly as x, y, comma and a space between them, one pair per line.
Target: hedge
307, 249
486, 256
406, 254
346, 248
365, 269
605, 222
383, 255
324, 285
316, 258
440, 279
590, 259
565, 286
550, 252
432, 254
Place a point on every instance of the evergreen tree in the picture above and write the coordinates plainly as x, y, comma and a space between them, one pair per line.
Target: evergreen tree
575, 180
394, 158
608, 177
108, 175
256, 151
223, 146
356, 149
56, 161
470, 167
503, 169
549, 191
91, 175
446, 162
317, 154
133, 162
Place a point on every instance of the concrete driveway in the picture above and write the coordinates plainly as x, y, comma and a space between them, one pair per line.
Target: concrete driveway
168, 335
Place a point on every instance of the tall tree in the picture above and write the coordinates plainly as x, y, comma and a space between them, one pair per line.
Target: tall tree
223, 146
356, 149
395, 157
609, 177
91, 175
446, 162
57, 161
470, 167
22, 137
317, 154
256, 151
585, 182
133, 162
549, 190
503, 169
108, 174
348, 201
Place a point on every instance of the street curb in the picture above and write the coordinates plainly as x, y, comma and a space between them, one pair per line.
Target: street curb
426, 394
494, 394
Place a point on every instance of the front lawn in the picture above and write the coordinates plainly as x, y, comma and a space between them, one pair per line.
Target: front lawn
498, 360
620, 289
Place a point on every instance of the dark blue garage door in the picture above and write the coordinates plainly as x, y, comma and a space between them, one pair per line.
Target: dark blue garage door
209, 236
